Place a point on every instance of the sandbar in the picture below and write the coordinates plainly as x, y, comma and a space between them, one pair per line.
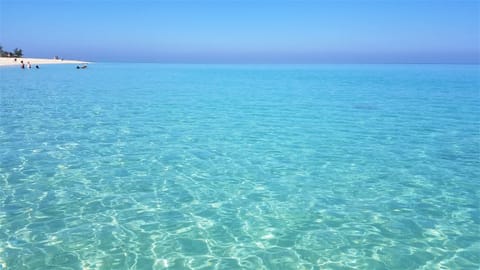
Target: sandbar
10, 61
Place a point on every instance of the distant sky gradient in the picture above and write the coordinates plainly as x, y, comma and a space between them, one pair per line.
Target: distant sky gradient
245, 31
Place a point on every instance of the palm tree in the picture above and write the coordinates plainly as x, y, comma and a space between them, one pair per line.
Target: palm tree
18, 52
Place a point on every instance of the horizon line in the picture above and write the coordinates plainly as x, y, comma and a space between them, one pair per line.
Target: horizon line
474, 62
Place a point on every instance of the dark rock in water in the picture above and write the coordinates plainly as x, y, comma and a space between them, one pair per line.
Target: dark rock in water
66, 259
193, 247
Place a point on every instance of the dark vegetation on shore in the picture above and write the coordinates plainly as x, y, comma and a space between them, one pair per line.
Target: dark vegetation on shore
16, 53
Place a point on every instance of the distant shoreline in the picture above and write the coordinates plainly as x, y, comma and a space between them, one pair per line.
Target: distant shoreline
10, 61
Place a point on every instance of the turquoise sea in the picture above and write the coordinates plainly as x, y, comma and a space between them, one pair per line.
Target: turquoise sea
149, 166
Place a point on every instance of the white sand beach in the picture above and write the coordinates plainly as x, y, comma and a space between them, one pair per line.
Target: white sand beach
10, 61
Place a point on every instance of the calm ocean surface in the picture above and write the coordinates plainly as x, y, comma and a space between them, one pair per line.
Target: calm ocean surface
147, 166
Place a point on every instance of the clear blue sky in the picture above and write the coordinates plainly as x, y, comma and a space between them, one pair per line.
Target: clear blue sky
256, 31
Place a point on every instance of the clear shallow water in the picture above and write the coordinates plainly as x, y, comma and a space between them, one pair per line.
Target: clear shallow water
129, 166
